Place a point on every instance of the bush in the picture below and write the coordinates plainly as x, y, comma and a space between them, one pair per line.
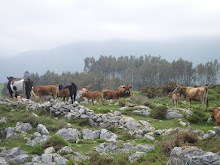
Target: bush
56, 141
122, 102
159, 112
197, 117
180, 139
149, 104
37, 149
97, 159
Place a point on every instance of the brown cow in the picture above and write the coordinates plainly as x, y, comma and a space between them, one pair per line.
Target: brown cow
108, 94
86, 89
40, 91
215, 113
175, 98
64, 93
92, 95
124, 90
200, 93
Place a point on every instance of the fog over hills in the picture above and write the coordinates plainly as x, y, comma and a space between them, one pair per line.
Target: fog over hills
70, 57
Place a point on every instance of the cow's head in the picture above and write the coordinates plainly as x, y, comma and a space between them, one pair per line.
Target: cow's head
211, 111
88, 88
124, 90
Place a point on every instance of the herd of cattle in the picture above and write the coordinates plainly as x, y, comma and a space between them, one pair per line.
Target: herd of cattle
25, 86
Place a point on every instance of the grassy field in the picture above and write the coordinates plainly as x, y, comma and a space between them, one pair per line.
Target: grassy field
18, 113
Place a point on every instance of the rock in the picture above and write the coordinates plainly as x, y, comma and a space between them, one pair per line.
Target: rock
69, 133
206, 136
38, 140
91, 135
65, 150
191, 155
135, 156
47, 158
145, 148
117, 113
3, 120
14, 155
199, 132
59, 159
77, 156
173, 114
149, 137
182, 123
131, 105
49, 150
23, 127
217, 131
107, 147
42, 129
211, 133
9, 133
122, 108
107, 135
3, 161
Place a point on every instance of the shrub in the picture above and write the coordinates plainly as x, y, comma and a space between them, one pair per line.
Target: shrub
56, 141
97, 159
159, 112
122, 102
180, 139
149, 104
197, 117
37, 149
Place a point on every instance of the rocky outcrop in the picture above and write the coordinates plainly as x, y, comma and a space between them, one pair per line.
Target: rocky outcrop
191, 155
69, 133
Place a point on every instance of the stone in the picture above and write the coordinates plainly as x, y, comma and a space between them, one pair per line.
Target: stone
206, 136
47, 158
59, 159
117, 113
91, 135
38, 140
135, 156
42, 129
3, 161
217, 131
144, 148
149, 137
69, 133
23, 127
65, 150
173, 114
211, 133
3, 120
49, 150
107, 135
9, 133
192, 155
107, 147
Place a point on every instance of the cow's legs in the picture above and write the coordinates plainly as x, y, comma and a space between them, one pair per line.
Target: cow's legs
16, 95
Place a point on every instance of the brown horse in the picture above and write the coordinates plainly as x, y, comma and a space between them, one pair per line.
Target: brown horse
200, 93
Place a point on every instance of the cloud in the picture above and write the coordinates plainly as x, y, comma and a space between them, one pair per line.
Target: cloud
44, 24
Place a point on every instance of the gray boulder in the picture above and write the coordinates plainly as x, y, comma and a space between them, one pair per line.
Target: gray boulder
173, 114
217, 131
23, 127
191, 155
37, 139
69, 133
144, 148
107, 147
65, 150
3, 120
107, 135
135, 156
42, 129
59, 159
9, 133
3, 161
91, 135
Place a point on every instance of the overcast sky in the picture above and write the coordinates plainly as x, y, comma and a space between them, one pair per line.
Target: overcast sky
45, 24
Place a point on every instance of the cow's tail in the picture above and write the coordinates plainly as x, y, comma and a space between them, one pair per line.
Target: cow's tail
206, 98
24, 89
33, 94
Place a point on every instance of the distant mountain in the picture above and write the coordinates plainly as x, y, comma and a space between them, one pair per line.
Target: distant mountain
71, 57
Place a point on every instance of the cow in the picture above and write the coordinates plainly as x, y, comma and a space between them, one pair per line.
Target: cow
72, 89
19, 85
215, 113
92, 95
40, 91
190, 93
64, 93
86, 89
20, 96
108, 94
124, 90
175, 98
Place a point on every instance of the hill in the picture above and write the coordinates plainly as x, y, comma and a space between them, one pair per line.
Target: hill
71, 57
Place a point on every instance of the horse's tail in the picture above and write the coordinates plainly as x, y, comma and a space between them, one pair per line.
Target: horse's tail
206, 97
74, 90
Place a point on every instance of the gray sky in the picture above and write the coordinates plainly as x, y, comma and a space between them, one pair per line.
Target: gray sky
44, 24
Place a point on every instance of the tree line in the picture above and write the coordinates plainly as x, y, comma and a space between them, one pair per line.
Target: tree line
109, 72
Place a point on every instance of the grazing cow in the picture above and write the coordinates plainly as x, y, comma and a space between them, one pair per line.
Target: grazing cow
92, 95
124, 90
20, 96
215, 113
175, 98
86, 89
40, 91
200, 93
64, 93
72, 89
108, 94
16, 85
